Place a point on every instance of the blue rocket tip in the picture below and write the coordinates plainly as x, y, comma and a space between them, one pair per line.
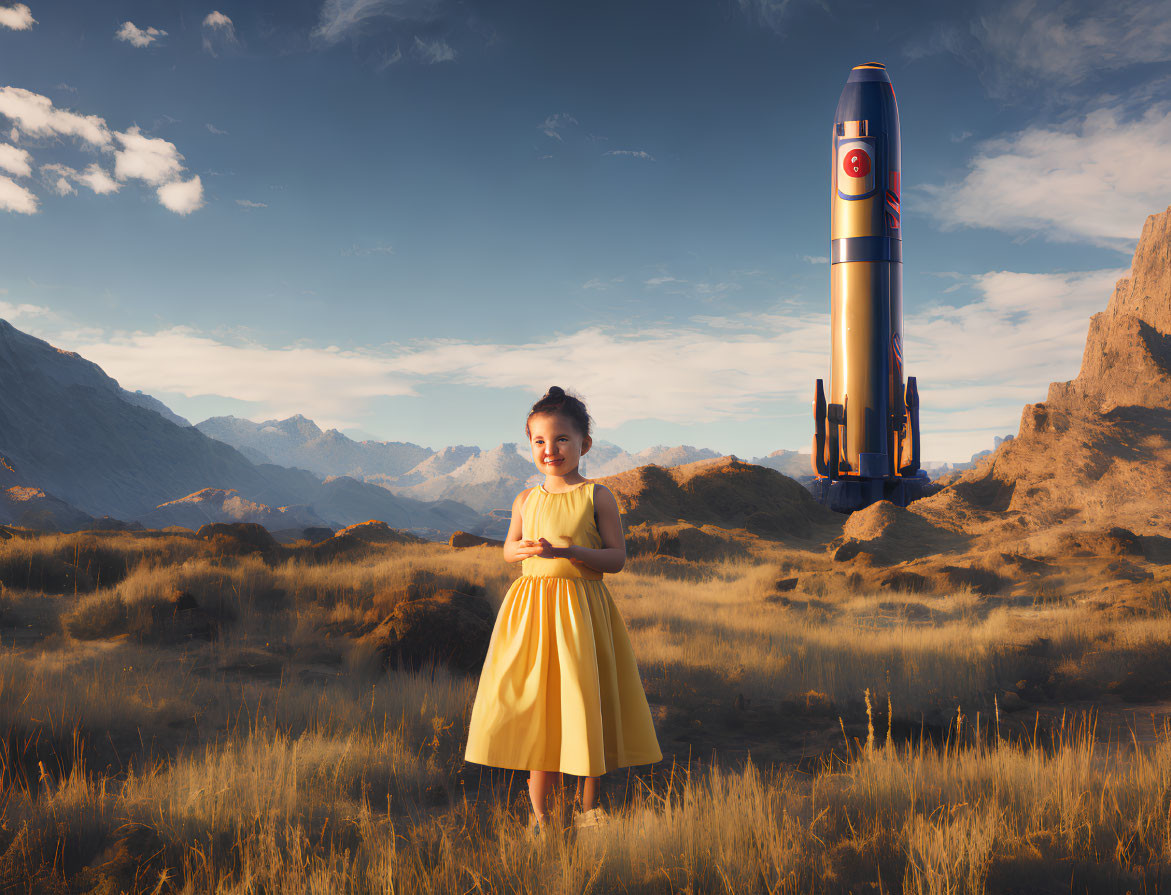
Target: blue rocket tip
868, 71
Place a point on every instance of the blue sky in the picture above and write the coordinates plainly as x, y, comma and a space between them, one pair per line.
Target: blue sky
408, 218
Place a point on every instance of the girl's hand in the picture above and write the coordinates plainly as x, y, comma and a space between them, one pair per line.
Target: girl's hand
567, 552
527, 548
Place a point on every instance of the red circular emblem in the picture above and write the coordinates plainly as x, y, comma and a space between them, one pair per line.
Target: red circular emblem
856, 163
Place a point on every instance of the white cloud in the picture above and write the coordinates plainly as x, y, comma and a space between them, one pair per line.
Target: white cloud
14, 197
248, 203
326, 385
36, 116
555, 123
11, 312
14, 160
182, 196
348, 18
215, 130
1094, 182
815, 259
1022, 332
138, 37
96, 178
18, 17
662, 281
219, 33
632, 153
152, 159
432, 51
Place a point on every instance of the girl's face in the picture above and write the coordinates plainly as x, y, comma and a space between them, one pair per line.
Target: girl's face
556, 443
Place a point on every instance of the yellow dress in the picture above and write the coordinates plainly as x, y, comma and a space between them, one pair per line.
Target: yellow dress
560, 689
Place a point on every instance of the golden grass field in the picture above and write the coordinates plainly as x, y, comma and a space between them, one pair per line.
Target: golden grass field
279, 757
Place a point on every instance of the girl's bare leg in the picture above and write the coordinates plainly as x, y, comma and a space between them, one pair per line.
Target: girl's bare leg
587, 791
540, 783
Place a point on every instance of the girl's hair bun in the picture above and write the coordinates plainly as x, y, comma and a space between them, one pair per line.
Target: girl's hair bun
557, 401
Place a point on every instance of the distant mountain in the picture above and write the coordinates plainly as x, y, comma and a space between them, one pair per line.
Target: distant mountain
791, 463
487, 480
298, 442
441, 463
69, 429
218, 505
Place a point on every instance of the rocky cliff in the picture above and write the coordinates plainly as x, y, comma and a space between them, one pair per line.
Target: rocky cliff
1097, 451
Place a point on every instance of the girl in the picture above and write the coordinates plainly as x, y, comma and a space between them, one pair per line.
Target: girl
560, 690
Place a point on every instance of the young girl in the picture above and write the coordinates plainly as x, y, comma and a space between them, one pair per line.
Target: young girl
560, 690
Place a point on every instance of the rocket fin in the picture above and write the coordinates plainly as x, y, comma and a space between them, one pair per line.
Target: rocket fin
910, 454
820, 466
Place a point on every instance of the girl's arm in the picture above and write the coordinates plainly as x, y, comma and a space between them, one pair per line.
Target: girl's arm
612, 557
515, 547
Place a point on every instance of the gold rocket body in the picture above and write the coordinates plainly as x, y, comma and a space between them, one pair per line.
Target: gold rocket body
868, 429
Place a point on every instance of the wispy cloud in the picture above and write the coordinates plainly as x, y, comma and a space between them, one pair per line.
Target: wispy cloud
357, 251
1020, 45
342, 19
18, 17
432, 51
10, 311
600, 284
94, 177
138, 37
215, 130
772, 13
553, 125
219, 33
815, 259
632, 153
248, 203
1093, 181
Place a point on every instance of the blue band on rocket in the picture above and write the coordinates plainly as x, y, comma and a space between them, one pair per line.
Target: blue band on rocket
865, 248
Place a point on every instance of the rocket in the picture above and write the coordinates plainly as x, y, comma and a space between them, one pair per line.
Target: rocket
867, 435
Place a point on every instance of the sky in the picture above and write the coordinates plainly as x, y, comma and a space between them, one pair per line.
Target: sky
406, 219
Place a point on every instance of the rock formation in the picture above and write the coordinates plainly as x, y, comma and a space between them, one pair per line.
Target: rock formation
1097, 451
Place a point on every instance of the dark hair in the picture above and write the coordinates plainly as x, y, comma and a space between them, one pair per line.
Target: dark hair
557, 401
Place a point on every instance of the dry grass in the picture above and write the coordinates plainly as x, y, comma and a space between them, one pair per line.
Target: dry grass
278, 757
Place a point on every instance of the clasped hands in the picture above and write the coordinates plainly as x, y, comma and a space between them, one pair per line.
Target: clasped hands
545, 550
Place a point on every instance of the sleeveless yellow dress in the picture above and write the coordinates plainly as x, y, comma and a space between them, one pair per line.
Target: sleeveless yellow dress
560, 689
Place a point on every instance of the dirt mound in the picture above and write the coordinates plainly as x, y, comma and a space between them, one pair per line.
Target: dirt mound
683, 541
890, 534
1097, 451
725, 492
237, 538
467, 539
449, 627
359, 537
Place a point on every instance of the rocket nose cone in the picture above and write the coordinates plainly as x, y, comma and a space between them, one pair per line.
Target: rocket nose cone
868, 71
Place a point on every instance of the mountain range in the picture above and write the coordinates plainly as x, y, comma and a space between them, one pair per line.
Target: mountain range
70, 433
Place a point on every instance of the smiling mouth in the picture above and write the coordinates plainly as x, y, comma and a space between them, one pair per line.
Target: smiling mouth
551, 462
